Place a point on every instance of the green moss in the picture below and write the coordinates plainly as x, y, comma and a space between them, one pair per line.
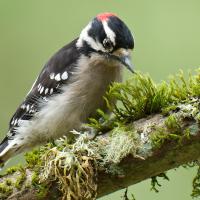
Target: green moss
41, 188
198, 118
33, 158
12, 170
21, 178
171, 132
8, 182
103, 123
35, 179
173, 125
138, 97
42, 192
27, 186
34, 161
169, 109
5, 190
141, 96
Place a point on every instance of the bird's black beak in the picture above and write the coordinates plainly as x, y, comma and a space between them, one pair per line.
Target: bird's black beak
126, 61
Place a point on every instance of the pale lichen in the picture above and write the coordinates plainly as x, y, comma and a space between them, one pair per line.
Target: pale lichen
73, 168
123, 141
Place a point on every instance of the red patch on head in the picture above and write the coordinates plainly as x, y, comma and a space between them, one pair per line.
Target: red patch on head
105, 16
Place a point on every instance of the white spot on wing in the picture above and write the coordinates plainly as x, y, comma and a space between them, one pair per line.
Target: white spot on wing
52, 75
23, 106
27, 108
39, 87
46, 90
51, 91
41, 90
15, 123
64, 76
57, 77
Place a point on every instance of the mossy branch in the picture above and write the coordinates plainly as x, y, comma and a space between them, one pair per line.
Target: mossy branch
155, 128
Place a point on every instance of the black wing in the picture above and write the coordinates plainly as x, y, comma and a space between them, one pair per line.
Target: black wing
55, 73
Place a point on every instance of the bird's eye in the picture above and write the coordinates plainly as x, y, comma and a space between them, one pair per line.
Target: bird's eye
108, 45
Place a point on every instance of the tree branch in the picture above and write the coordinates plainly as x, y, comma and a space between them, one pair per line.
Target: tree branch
132, 169
135, 146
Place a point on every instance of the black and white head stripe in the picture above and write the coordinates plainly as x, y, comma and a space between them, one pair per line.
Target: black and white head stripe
106, 26
89, 35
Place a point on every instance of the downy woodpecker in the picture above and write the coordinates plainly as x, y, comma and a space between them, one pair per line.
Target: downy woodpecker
71, 85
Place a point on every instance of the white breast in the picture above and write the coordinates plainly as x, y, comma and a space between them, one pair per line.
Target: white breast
68, 110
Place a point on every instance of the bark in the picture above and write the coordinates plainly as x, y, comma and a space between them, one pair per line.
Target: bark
150, 161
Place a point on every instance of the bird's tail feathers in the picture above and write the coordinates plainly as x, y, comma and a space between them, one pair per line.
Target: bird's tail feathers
5, 151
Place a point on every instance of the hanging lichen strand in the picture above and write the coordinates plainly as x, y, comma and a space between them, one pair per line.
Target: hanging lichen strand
74, 164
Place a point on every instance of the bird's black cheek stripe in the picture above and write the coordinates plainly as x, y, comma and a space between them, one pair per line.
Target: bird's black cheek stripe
86, 49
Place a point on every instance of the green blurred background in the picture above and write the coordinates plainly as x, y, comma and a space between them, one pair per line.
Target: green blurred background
167, 39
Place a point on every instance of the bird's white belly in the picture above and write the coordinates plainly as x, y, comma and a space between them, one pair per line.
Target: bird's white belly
68, 110
56, 118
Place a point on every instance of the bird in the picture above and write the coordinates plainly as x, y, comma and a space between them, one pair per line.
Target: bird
71, 85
